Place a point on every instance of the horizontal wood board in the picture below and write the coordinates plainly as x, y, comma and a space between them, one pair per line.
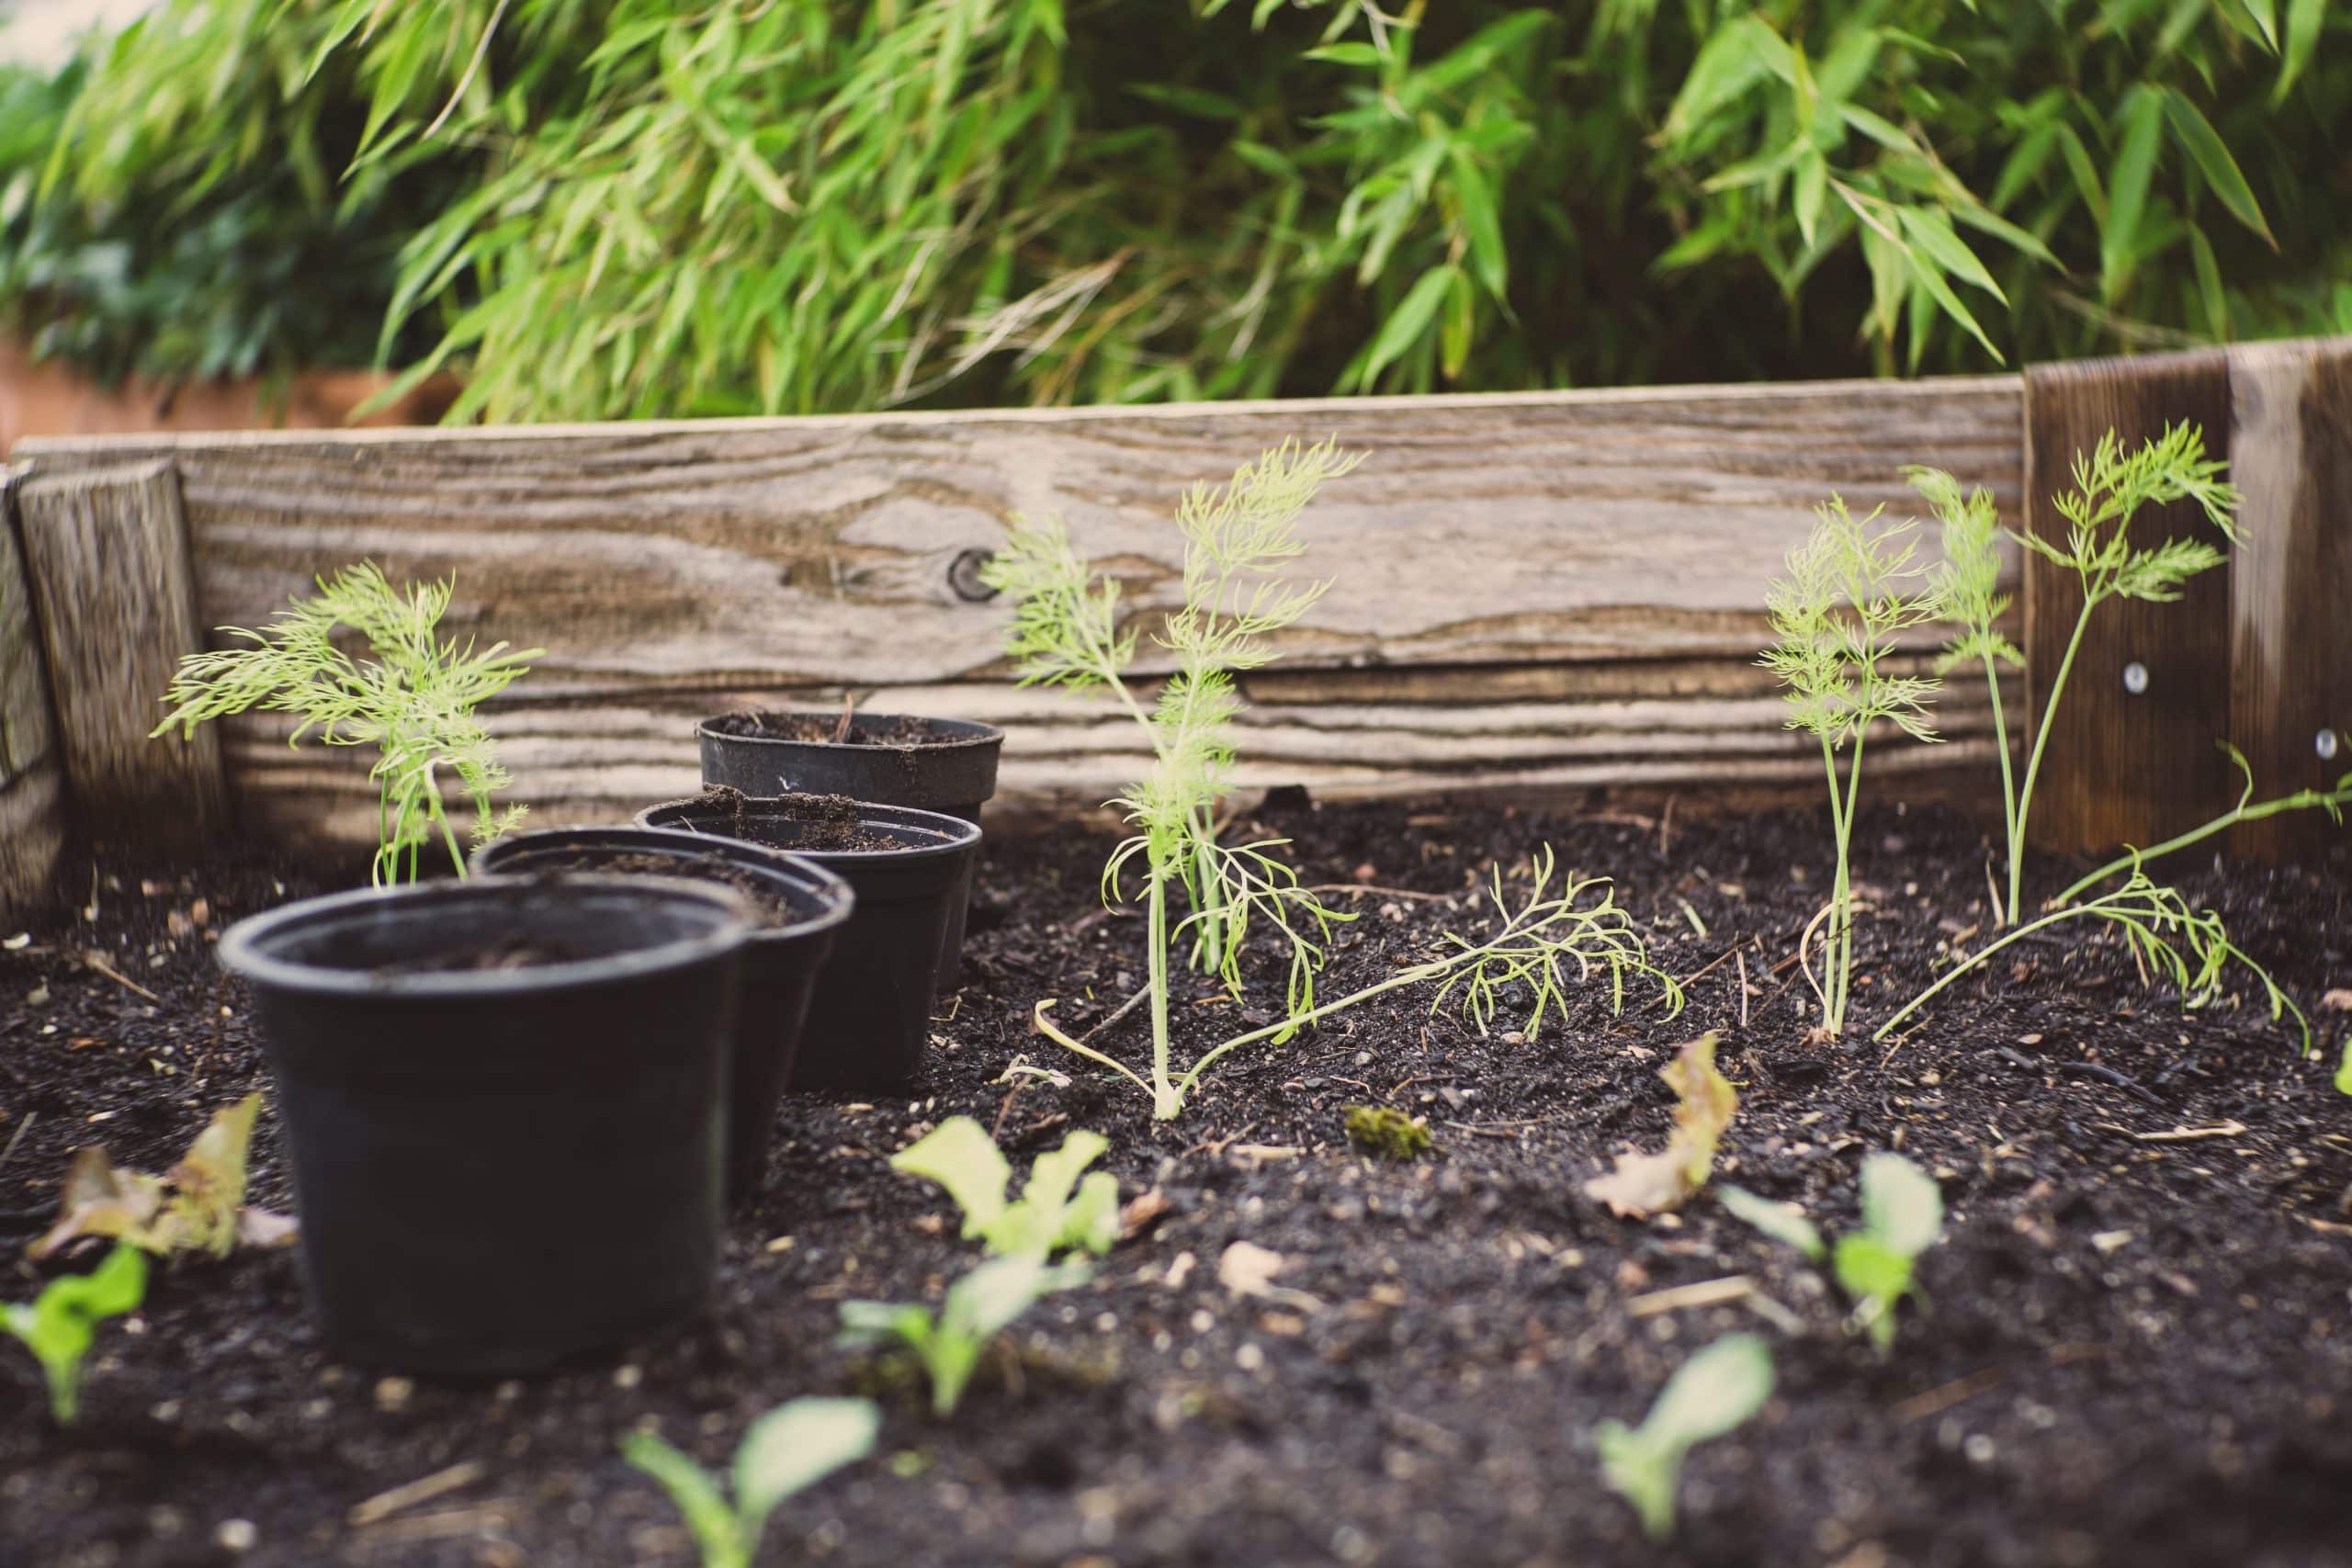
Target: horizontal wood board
1532, 593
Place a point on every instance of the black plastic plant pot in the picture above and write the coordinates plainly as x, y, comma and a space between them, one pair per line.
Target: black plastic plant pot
947, 765
506, 1101
870, 1018
801, 909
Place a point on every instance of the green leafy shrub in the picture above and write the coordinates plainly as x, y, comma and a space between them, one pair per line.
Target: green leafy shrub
1056, 1211
61, 1323
413, 700
1714, 1393
678, 209
786, 1451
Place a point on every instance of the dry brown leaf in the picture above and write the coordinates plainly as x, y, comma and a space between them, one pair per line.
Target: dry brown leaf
1248, 1269
205, 1211
98, 1200
1141, 1212
1645, 1184
2337, 1001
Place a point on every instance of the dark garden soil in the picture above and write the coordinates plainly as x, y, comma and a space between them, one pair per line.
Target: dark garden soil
886, 730
821, 824
2135, 1345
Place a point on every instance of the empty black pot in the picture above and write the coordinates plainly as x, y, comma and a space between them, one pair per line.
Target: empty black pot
801, 906
947, 765
506, 1101
871, 1015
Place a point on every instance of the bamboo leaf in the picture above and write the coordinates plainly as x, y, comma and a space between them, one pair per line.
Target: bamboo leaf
2196, 136
1407, 323
2141, 116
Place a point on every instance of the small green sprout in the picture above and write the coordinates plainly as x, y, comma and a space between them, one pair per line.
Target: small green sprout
1387, 1135
1840, 617
59, 1324
786, 1451
413, 700
961, 1157
1711, 1395
1903, 1215
980, 1307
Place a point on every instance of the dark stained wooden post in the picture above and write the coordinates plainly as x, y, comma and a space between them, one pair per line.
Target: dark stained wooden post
33, 781
107, 554
2290, 660
2257, 652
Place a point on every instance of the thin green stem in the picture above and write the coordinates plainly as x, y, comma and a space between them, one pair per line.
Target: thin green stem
1165, 1100
1979, 958
2041, 741
2008, 777
1832, 1010
2302, 800
1413, 977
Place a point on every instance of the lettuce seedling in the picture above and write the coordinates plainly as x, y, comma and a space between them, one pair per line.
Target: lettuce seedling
786, 1451
978, 1307
1704, 1102
1708, 1395
1903, 1215
61, 1323
198, 1206
413, 700
1841, 615
961, 1157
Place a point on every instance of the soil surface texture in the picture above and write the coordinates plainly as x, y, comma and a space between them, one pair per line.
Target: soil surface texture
825, 729
819, 824
2133, 1345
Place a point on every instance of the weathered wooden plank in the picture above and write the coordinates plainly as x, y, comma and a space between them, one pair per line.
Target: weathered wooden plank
2122, 766
2290, 662
1541, 591
107, 555
32, 804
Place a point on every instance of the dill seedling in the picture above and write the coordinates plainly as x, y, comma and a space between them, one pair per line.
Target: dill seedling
1840, 615
415, 700
1239, 538
2110, 486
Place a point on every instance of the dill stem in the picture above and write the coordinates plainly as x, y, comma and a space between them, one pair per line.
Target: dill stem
2009, 780
2040, 740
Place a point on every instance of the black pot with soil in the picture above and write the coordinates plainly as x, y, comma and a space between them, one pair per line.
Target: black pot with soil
870, 1016
801, 909
506, 1104
947, 765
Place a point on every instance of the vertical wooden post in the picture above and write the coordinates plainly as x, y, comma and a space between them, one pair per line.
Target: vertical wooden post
2257, 653
2290, 663
107, 552
2124, 766
32, 782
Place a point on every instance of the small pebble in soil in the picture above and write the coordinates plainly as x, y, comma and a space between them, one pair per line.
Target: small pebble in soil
237, 1535
393, 1394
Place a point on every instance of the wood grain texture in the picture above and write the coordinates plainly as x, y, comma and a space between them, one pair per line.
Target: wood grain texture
32, 798
2290, 663
2120, 767
1556, 591
106, 554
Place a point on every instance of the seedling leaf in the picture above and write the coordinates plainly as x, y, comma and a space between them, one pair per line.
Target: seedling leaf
61, 1323
978, 1306
1902, 1206
1783, 1223
796, 1445
1711, 1395
697, 1495
961, 1157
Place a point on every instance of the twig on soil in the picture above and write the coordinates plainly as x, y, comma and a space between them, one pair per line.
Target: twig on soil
2108, 1075
1743, 986
1936, 1401
441, 1483
18, 1135
1704, 1293
1499, 1129
2178, 1134
94, 959
1712, 965
1385, 892
849, 711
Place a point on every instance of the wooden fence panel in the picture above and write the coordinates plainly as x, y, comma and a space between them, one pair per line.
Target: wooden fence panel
1537, 591
32, 792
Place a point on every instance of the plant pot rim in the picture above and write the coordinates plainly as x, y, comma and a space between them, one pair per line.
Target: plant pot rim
838, 899
955, 836
981, 734
245, 947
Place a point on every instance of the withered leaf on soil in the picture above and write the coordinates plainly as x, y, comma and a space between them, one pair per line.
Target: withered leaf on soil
1645, 1184
199, 1206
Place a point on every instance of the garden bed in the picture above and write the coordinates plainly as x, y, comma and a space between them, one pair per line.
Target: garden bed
2133, 1344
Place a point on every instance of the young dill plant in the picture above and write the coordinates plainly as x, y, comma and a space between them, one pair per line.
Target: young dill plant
1840, 615
1239, 538
414, 700
2111, 485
